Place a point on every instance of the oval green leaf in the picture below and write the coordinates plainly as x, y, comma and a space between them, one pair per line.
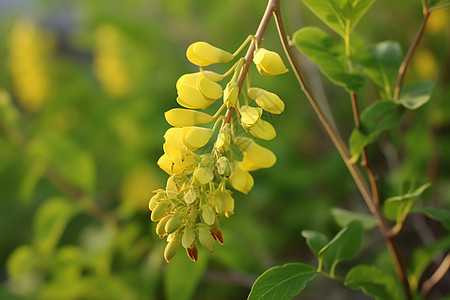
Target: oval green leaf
282, 282
416, 95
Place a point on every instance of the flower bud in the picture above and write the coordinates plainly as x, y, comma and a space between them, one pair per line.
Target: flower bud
250, 115
206, 239
223, 166
160, 210
208, 214
188, 237
171, 249
191, 195
161, 227
224, 138
180, 117
159, 196
195, 137
191, 97
168, 166
192, 252
203, 175
174, 223
268, 101
204, 54
268, 63
263, 130
240, 179
231, 94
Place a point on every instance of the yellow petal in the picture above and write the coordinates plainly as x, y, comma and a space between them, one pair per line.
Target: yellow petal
187, 79
181, 117
240, 179
195, 137
255, 156
204, 54
191, 97
168, 166
268, 101
250, 115
263, 130
181, 156
268, 63
209, 88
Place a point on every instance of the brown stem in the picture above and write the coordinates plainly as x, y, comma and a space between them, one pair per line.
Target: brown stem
437, 276
343, 151
405, 63
249, 55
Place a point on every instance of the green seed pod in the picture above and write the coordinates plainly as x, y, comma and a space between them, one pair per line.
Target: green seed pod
160, 228
160, 210
171, 249
174, 223
208, 214
206, 238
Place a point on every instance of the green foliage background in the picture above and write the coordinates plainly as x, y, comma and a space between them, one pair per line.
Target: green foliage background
76, 175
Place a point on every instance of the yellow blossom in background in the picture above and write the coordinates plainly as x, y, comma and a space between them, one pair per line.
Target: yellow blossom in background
425, 64
109, 61
29, 49
438, 21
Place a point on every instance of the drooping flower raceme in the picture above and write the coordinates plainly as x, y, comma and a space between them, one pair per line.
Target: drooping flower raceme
204, 158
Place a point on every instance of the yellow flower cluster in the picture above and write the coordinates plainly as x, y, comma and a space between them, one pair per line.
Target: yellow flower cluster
29, 48
203, 161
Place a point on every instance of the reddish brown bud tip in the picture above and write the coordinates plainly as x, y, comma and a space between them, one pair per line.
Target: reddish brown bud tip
218, 236
192, 252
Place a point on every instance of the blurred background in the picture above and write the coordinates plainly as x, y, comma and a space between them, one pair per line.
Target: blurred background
84, 85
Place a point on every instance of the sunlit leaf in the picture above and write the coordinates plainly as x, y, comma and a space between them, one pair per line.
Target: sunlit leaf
373, 282
21, 261
339, 14
321, 49
396, 208
416, 95
282, 282
344, 217
383, 63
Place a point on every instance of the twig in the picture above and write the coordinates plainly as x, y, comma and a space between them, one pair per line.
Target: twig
343, 151
437, 276
405, 63
249, 55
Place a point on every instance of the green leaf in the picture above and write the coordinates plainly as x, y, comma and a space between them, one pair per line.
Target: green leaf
50, 222
183, 275
282, 282
315, 240
343, 217
423, 256
382, 64
373, 282
321, 49
21, 261
396, 208
439, 214
378, 117
67, 158
345, 245
416, 95
339, 14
